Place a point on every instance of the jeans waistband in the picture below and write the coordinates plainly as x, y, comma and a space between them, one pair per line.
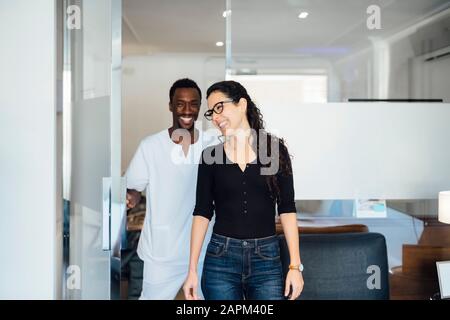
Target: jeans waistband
248, 243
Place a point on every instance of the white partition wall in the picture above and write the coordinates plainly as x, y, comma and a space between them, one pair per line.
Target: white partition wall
28, 204
352, 150
365, 150
93, 114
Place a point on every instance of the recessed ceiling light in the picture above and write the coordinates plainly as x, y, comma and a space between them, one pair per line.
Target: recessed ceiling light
303, 15
226, 13
219, 43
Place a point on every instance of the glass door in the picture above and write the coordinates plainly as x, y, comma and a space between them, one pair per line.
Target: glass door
94, 192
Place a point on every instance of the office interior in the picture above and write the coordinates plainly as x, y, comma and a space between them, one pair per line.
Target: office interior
359, 89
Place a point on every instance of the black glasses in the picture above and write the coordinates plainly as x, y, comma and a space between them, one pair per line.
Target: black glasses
217, 109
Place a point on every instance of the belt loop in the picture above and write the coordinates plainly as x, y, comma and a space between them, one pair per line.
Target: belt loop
227, 243
256, 246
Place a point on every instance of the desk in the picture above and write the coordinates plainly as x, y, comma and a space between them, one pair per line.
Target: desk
416, 278
324, 226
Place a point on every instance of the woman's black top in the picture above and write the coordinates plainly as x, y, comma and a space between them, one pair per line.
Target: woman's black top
242, 201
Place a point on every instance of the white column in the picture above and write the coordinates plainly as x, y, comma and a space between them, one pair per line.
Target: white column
28, 203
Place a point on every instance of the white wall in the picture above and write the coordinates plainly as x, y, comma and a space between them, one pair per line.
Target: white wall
431, 78
413, 76
364, 150
146, 83
28, 150
390, 69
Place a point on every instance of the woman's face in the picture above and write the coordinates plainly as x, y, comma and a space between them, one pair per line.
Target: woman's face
232, 116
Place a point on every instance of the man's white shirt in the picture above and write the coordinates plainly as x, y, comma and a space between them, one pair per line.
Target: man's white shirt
170, 179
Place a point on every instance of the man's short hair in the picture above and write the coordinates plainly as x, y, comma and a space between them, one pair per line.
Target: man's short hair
184, 83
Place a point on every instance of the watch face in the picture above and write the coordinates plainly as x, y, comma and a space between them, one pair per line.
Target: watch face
301, 267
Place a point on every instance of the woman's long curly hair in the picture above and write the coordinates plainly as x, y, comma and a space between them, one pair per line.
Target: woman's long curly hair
235, 91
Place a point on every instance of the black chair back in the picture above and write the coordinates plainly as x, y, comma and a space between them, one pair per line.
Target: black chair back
342, 266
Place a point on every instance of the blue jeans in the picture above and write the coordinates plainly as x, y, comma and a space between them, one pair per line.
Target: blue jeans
237, 269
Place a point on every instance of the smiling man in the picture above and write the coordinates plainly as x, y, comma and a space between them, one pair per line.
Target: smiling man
170, 190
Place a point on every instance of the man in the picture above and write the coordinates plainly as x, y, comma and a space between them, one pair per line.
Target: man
166, 165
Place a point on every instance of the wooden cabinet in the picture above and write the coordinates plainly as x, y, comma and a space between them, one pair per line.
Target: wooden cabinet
417, 277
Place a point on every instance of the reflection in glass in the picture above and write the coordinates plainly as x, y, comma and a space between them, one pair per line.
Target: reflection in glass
366, 49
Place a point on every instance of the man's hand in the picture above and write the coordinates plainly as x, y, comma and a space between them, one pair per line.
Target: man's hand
133, 198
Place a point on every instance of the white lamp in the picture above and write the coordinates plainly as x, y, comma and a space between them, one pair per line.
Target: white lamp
444, 206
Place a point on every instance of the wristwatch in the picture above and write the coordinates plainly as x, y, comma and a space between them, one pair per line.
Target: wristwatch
296, 267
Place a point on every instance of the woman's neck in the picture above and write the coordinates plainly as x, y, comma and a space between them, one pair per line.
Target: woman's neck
241, 136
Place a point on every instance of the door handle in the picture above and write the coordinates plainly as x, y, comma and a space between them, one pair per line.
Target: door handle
118, 216
106, 219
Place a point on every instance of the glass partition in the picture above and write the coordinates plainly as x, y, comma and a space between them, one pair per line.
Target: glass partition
94, 191
365, 49
315, 69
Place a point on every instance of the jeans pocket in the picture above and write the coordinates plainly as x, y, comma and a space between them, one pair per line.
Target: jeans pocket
215, 249
269, 251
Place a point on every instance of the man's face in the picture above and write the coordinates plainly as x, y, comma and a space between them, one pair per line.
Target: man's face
185, 106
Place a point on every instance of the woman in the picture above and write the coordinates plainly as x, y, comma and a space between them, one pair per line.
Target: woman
243, 256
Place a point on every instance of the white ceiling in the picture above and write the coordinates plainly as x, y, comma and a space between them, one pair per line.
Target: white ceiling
187, 26
264, 26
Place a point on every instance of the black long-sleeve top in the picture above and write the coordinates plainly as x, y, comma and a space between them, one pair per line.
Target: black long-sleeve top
242, 201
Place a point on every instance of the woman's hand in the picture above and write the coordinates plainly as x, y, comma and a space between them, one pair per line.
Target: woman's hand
294, 279
190, 286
